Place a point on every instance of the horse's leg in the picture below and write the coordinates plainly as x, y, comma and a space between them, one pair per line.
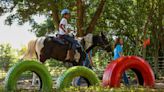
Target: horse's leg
38, 47
68, 55
33, 74
86, 63
33, 78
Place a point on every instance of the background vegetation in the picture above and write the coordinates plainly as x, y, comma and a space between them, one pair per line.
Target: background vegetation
133, 20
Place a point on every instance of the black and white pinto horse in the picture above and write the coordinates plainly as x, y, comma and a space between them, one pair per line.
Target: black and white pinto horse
44, 48
49, 47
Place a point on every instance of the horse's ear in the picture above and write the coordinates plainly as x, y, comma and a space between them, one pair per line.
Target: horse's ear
102, 34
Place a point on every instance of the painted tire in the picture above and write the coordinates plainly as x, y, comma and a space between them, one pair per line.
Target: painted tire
15, 72
115, 69
66, 78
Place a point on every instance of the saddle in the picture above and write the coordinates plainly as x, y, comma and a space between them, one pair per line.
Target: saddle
60, 41
74, 55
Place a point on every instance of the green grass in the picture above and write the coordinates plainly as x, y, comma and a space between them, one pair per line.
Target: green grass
99, 89
107, 89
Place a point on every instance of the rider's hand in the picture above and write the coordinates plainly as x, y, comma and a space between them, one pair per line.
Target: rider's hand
66, 32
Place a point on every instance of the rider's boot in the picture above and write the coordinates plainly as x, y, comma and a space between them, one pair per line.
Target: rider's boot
72, 53
77, 56
68, 55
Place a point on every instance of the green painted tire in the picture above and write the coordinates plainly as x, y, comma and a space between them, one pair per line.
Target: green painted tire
66, 78
16, 70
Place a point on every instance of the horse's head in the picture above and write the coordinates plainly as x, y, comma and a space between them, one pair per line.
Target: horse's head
102, 41
96, 40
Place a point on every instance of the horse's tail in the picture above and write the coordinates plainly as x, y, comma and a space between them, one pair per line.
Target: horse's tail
31, 50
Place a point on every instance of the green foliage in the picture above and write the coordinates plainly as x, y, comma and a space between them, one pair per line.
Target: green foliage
100, 60
54, 63
127, 18
133, 20
1, 88
25, 9
46, 27
6, 56
21, 51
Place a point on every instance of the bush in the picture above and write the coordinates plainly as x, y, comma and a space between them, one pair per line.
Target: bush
6, 56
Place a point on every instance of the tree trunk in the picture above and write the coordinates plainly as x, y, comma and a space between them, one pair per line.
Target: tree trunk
55, 15
155, 32
156, 51
149, 19
144, 30
161, 28
56, 20
80, 17
96, 16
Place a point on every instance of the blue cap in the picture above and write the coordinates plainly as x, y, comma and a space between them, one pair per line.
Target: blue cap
65, 11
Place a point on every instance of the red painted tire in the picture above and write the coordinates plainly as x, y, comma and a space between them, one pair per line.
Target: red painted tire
115, 69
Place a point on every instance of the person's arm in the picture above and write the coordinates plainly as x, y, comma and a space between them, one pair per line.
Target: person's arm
120, 51
62, 27
63, 24
120, 54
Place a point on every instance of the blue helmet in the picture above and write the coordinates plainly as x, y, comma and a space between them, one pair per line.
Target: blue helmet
65, 11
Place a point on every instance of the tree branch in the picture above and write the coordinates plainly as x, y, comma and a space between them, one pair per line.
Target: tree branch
55, 15
96, 16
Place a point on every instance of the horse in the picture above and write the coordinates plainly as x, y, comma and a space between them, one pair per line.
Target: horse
44, 48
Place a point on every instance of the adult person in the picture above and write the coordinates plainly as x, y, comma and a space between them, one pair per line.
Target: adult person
118, 52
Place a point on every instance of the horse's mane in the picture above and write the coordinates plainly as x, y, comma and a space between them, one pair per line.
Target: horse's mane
88, 40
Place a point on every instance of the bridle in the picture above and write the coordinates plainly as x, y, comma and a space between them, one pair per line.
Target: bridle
105, 46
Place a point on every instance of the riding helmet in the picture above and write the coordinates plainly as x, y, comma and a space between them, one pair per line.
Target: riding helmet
65, 11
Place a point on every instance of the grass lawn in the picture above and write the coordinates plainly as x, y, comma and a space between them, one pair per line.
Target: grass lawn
99, 89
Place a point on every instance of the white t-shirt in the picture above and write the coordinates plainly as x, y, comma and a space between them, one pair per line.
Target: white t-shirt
65, 24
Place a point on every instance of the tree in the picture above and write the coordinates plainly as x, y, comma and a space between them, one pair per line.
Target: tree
26, 9
134, 20
6, 56
44, 28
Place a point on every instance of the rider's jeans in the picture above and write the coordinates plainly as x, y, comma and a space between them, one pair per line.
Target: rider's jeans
70, 39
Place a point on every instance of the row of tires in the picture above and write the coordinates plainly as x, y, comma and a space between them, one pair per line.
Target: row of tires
111, 76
